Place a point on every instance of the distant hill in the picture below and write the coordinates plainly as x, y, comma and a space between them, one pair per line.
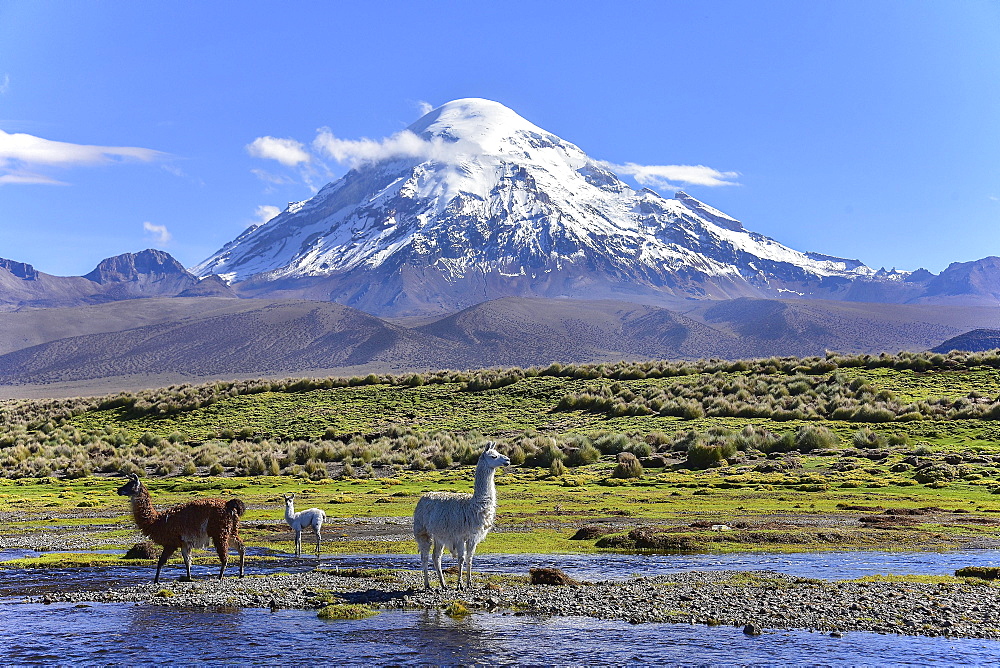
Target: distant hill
975, 341
160, 341
251, 337
149, 273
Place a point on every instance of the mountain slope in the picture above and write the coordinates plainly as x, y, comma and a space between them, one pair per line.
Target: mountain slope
159, 341
975, 341
478, 203
251, 337
149, 273
519, 331
809, 327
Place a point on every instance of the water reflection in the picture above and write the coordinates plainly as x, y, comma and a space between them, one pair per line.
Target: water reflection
66, 634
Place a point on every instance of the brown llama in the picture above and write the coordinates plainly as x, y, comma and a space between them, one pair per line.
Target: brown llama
187, 525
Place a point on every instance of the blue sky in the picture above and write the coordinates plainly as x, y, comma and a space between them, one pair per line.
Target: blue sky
868, 130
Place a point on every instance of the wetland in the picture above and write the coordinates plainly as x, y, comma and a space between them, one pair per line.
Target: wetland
823, 496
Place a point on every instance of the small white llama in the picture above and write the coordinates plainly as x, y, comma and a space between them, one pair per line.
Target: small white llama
458, 521
314, 517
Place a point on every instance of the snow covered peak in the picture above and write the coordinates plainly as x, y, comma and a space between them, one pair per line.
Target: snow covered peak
474, 119
472, 202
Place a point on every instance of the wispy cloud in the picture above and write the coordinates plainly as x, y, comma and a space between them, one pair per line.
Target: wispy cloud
22, 154
671, 176
4, 84
286, 151
268, 177
266, 212
309, 159
27, 178
405, 144
159, 234
424, 107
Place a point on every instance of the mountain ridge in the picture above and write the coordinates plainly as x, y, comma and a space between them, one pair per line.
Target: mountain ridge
478, 203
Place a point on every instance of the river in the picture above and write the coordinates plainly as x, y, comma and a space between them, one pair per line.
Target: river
33, 633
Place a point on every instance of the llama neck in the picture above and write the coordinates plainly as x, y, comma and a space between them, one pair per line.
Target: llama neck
290, 513
143, 511
485, 489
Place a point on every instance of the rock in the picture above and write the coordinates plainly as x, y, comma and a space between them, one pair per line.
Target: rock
836, 634
648, 538
146, 550
590, 533
752, 629
550, 576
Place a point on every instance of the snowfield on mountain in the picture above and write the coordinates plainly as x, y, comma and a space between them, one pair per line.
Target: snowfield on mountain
473, 202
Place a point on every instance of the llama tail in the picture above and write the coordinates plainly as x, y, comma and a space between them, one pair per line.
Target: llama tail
236, 507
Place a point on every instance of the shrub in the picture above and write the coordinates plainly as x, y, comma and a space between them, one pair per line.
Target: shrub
584, 454
628, 466
815, 437
865, 438
557, 468
612, 444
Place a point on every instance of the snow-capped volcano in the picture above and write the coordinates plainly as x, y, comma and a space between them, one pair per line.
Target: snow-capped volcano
473, 202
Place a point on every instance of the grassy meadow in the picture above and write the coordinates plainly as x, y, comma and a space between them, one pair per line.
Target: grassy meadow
790, 454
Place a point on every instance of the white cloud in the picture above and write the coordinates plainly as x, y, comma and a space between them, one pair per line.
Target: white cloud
5, 84
21, 154
405, 144
668, 176
158, 233
22, 178
424, 107
266, 212
31, 150
286, 151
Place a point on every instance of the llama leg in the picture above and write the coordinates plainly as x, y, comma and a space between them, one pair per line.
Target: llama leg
222, 549
167, 551
470, 552
298, 542
438, 549
460, 556
186, 553
242, 551
319, 537
424, 546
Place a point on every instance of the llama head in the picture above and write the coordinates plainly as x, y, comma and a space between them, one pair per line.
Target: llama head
492, 458
132, 487
289, 499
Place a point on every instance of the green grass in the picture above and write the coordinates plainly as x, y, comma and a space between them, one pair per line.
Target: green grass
339, 611
402, 441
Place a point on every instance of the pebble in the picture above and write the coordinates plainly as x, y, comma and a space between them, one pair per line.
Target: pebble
774, 601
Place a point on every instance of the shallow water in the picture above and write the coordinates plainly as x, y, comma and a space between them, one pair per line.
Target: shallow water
66, 634
105, 633
592, 567
824, 565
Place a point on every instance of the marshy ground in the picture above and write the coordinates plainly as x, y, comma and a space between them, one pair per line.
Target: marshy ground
841, 453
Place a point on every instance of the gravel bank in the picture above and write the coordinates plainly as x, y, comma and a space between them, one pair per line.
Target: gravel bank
761, 599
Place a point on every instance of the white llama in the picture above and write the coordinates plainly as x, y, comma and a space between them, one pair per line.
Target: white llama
314, 517
458, 521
